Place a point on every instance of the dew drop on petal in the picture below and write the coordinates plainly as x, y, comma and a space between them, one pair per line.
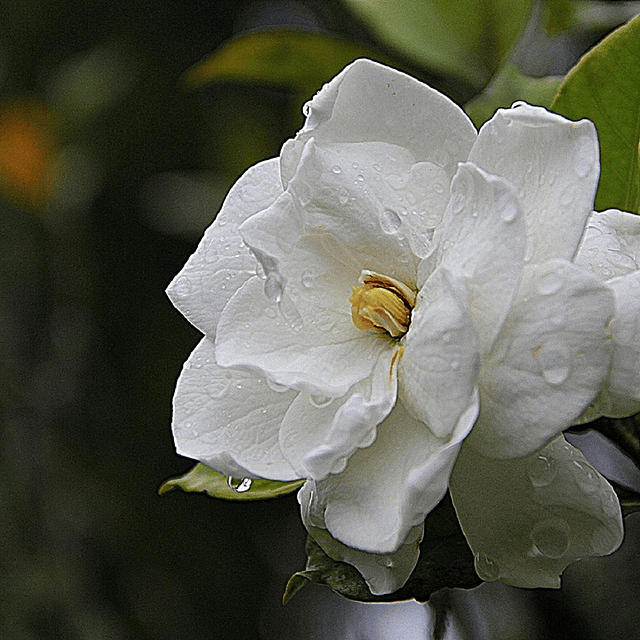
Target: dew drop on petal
390, 221
486, 567
307, 279
376, 167
542, 470
586, 478
183, 287
239, 486
567, 196
336, 169
320, 401
551, 537
438, 187
278, 388
273, 288
549, 284
343, 195
458, 202
509, 212
556, 375
585, 157
270, 312
359, 178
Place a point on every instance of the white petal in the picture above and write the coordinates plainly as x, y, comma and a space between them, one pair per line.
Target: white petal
439, 368
389, 487
553, 164
548, 363
222, 262
319, 434
229, 420
624, 380
374, 198
287, 342
482, 240
611, 244
370, 102
527, 519
383, 573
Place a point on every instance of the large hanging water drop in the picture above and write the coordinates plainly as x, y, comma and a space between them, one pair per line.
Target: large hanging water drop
239, 486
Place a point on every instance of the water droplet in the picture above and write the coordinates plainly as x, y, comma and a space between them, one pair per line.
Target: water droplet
486, 567
320, 401
396, 180
343, 195
359, 178
354, 165
556, 375
438, 187
455, 365
183, 287
390, 221
509, 211
542, 470
324, 322
376, 167
585, 157
239, 486
336, 169
290, 313
458, 202
270, 312
474, 213
217, 387
551, 537
273, 287
307, 279
567, 195
587, 479
549, 284
278, 388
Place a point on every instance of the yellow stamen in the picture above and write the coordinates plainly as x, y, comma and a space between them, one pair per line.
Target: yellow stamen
382, 304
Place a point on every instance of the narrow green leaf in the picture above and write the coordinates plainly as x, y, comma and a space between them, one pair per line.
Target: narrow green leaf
468, 39
445, 561
204, 479
605, 88
299, 60
507, 86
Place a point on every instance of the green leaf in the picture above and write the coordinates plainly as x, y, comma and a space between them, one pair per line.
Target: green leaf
204, 479
509, 85
445, 561
605, 88
467, 38
298, 60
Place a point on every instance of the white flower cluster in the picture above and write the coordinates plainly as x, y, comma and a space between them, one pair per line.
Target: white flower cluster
400, 305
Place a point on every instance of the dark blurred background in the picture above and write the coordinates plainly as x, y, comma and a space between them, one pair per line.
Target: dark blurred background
112, 163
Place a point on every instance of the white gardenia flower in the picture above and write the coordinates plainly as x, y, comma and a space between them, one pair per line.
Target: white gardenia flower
391, 280
610, 248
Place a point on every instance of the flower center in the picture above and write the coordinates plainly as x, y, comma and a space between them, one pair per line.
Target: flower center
382, 304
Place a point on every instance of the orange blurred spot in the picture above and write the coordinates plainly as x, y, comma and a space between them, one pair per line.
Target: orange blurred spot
27, 152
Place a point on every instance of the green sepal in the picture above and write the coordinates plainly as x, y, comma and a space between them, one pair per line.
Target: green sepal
605, 88
507, 86
445, 561
204, 479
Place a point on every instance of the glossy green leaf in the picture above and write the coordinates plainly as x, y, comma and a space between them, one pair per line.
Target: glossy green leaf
509, 85
468, 39
299, 60
445, 561
605, 88
206, 480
